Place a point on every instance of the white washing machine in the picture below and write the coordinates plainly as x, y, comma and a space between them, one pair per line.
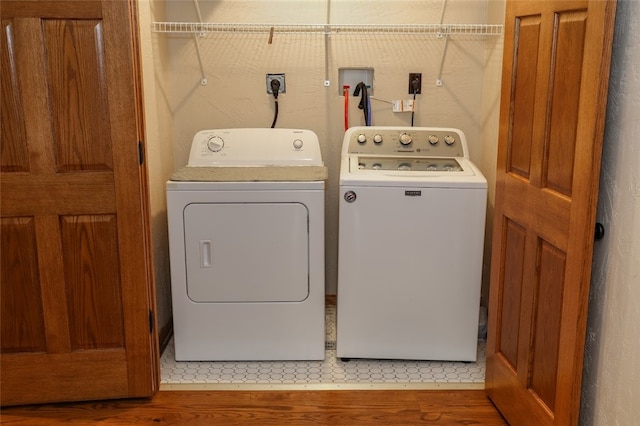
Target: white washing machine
412, 216
246, 235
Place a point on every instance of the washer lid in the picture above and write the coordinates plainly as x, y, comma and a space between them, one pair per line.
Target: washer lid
255, 147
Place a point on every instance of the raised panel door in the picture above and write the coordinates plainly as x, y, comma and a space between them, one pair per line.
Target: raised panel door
77, 289
554, 91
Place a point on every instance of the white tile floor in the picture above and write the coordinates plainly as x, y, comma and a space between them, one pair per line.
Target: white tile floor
331, 373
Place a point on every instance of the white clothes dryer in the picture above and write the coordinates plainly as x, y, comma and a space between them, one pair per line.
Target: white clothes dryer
246, 234
411, 238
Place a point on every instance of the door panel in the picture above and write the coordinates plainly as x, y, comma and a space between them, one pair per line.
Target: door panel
547, 301
77, 290
13, 150
524, 91
75, 69
511, 296
563, 103
21, 288
93, 284
554, 90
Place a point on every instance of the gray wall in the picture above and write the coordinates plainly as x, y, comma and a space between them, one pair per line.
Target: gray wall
611, 380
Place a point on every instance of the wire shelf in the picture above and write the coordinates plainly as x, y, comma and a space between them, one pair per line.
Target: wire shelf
435, 29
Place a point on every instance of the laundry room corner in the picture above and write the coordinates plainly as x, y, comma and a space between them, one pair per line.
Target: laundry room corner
218, 78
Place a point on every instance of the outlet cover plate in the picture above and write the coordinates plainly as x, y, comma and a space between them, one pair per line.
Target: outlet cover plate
280, 78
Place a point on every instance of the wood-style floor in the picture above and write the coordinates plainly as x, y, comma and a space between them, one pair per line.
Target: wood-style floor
331, 407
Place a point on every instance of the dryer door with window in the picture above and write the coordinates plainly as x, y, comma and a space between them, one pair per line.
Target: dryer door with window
247, 252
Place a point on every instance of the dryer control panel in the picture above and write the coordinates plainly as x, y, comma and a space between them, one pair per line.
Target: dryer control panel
255, 147
405, 141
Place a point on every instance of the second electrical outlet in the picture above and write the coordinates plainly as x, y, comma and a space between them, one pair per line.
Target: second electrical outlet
415, 83
280, 78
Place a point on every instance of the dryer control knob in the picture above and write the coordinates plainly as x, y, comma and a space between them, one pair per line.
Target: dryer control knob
405, 139
377, 138
449, 140
215, 143
433, 140
362, 138
297, 144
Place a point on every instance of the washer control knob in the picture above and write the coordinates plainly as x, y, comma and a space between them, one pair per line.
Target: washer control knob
405, 139
362, 138
215, 143
297, 144
377, 138
449, 140
433, 140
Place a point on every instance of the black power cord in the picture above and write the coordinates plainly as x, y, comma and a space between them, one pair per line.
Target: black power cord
414, 84
275, 88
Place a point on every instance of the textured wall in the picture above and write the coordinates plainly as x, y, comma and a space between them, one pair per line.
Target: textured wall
159, 143
235, 66
491, 85
611, 384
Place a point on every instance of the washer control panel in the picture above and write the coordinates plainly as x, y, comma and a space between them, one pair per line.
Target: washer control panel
411, 141
255, 147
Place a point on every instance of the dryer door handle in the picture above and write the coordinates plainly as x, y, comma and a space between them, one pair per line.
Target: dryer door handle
205, 254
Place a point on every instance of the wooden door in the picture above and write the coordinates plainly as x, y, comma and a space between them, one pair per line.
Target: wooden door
554, 93
77, 288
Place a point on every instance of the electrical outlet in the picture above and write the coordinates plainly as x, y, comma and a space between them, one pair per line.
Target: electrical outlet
415, 76
280, 78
